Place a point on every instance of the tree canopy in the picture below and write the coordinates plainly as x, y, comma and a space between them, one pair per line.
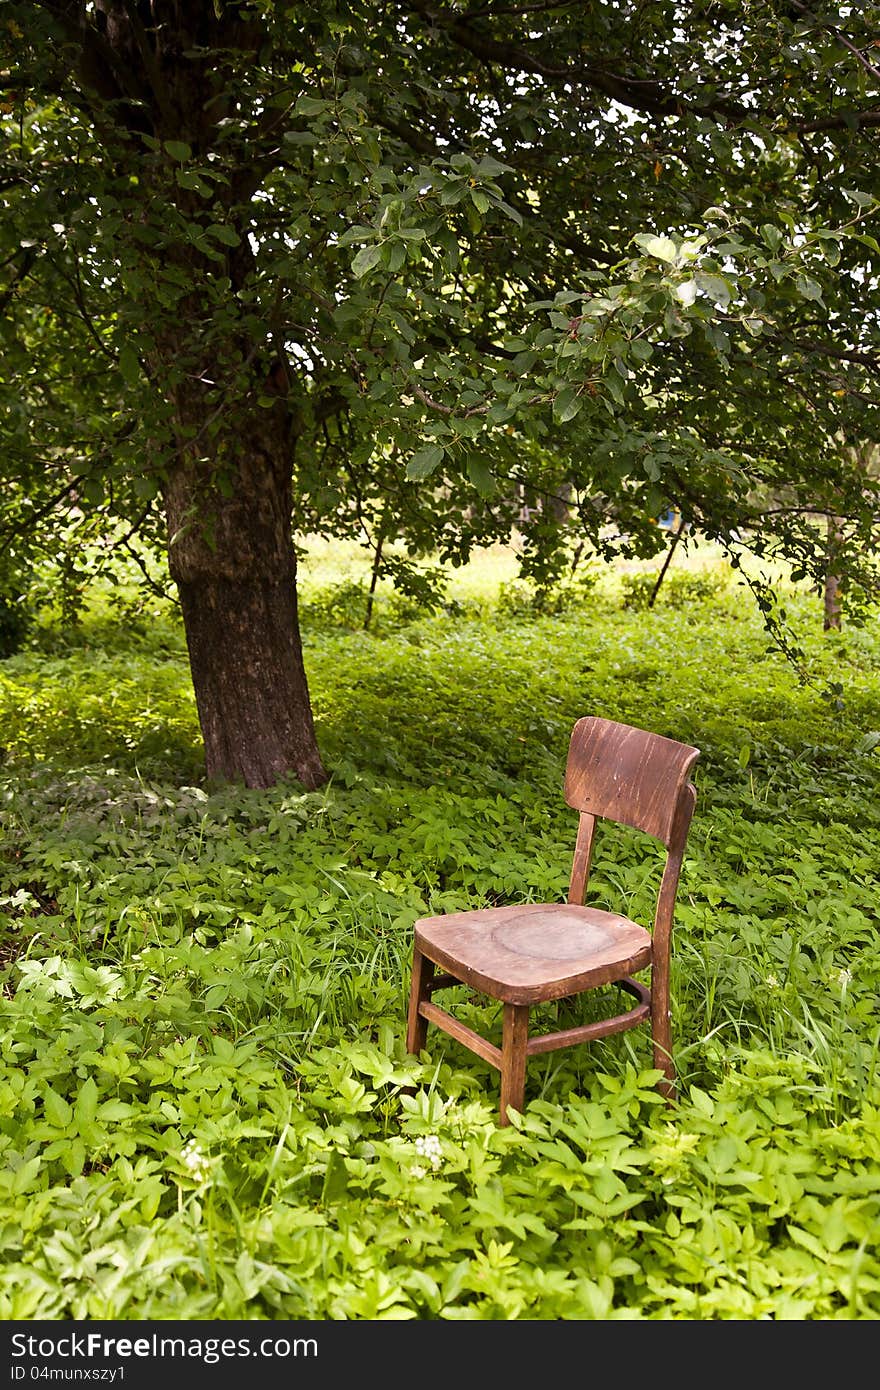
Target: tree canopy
389, 270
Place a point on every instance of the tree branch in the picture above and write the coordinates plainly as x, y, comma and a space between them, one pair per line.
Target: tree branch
640, 94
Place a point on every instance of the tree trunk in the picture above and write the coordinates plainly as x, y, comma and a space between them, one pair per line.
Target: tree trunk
831, 619
666, 563
250, 683
215, 356
558, 503
832, 606
233, 561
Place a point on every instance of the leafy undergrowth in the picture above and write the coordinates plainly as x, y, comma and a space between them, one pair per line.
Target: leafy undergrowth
206, 1107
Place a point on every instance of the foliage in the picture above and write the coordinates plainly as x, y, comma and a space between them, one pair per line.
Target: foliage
677, 588
351, 605
207, 1110
518, 598
422, 273
15, 622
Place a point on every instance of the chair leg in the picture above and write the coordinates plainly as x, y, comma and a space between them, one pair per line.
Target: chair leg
661, 1032
515, 1036
419, 991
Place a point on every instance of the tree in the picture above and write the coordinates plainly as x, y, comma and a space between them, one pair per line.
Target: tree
836, 582
373, 268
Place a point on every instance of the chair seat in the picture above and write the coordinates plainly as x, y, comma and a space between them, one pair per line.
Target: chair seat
534, 951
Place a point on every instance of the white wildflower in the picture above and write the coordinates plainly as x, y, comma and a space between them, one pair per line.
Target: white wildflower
195, 1160
841, 977
428, 1146
772, 982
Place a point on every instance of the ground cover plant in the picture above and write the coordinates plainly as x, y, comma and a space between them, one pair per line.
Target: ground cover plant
206, 1108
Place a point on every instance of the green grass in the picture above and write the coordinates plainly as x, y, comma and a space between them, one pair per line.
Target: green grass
206, 1108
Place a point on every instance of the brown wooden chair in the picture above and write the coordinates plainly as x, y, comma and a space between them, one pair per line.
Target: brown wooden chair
536, 952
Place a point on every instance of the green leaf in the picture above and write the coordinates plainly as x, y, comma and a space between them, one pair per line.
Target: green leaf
395, 256
73, 1157
129, 364
424, 461
702, 1102
228, 235
661, 247
612, 383
86, 1103
566, 405
772, 236
57, 1110
178, 149
868, 741
715, 287
25, 1176
188, 178
491, 166
365, 259
335, 1179
357, 233
808, 287
310, 106
481, 475
479, 200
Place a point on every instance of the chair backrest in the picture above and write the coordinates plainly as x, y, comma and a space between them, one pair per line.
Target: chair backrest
627, 775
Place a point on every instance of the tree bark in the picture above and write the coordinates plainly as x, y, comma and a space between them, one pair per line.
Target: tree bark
666, 563
252, 695
232, 559
831, 619
831, 603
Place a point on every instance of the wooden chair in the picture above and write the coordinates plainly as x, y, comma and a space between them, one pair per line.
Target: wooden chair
535, 952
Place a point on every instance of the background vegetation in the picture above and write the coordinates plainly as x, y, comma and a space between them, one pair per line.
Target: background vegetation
206, 1109
419, 275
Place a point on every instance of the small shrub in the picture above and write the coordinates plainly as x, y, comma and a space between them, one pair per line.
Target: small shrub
415, 594
636, 590
678, 589
517, 598
693, 586
396, 609
334, 606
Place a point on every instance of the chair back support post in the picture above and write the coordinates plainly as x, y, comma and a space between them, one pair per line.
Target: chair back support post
662, 932
661, 1013
583, 855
